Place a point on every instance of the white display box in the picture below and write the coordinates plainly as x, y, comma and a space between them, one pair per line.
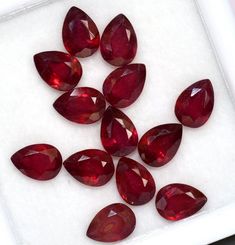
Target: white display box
174, 45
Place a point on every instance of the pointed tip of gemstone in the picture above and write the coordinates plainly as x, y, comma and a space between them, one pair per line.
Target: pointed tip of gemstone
178, 201
121, 16
123, 86
39, 161
80, 34
195, 104
135, 183
113, 223
160, 144
75, 8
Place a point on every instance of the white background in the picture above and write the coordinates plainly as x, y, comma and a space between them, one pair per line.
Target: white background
176, 51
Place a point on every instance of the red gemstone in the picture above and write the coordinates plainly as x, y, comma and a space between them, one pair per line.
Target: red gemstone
160, 144
59, 70
113, 223
40, 161
118, 42
80, 34
179, 201
91, 167
134, 182
81, 105
195, 104
124, 85
118, 134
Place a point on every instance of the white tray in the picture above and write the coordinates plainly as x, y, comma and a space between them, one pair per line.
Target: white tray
174, 46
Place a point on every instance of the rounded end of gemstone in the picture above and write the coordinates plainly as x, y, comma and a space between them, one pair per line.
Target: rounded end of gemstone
39, 161
195, 104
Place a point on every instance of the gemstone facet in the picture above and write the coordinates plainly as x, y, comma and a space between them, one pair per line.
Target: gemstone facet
179, 201
118, 134
118, 42
195, 104
113, 223
124, 85
39, 161
90, 167
59, 70
134, 182
80, 34
82, 105
160, 144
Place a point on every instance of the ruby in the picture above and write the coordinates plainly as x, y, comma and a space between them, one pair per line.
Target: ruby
179, 201
81, 105
90, 167
80, 34
134, 182
39, 161
113, 223
118, 42
160, 144
118, 133
195, 104
59, 70
124, 85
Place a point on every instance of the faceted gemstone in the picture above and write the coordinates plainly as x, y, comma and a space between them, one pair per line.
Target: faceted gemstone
80, 34
160, 144
40, 161
59, 70
81, 105
118, 42
118, 134
90, 167
179, 201
134, 182
113, 223
195, 104
124, 85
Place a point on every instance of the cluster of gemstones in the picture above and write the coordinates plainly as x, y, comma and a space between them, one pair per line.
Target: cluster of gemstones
119, 137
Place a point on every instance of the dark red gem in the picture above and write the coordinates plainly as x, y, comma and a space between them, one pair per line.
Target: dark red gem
81, 105
118, 134
91, 167
195, 104
40, 161
160, 144
113, 223
124, 85
134, 182
118, 42
59, 70
179, 201
80, 34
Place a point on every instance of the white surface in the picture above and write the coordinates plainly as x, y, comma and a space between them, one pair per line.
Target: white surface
219, 17
176, 51
11, 8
